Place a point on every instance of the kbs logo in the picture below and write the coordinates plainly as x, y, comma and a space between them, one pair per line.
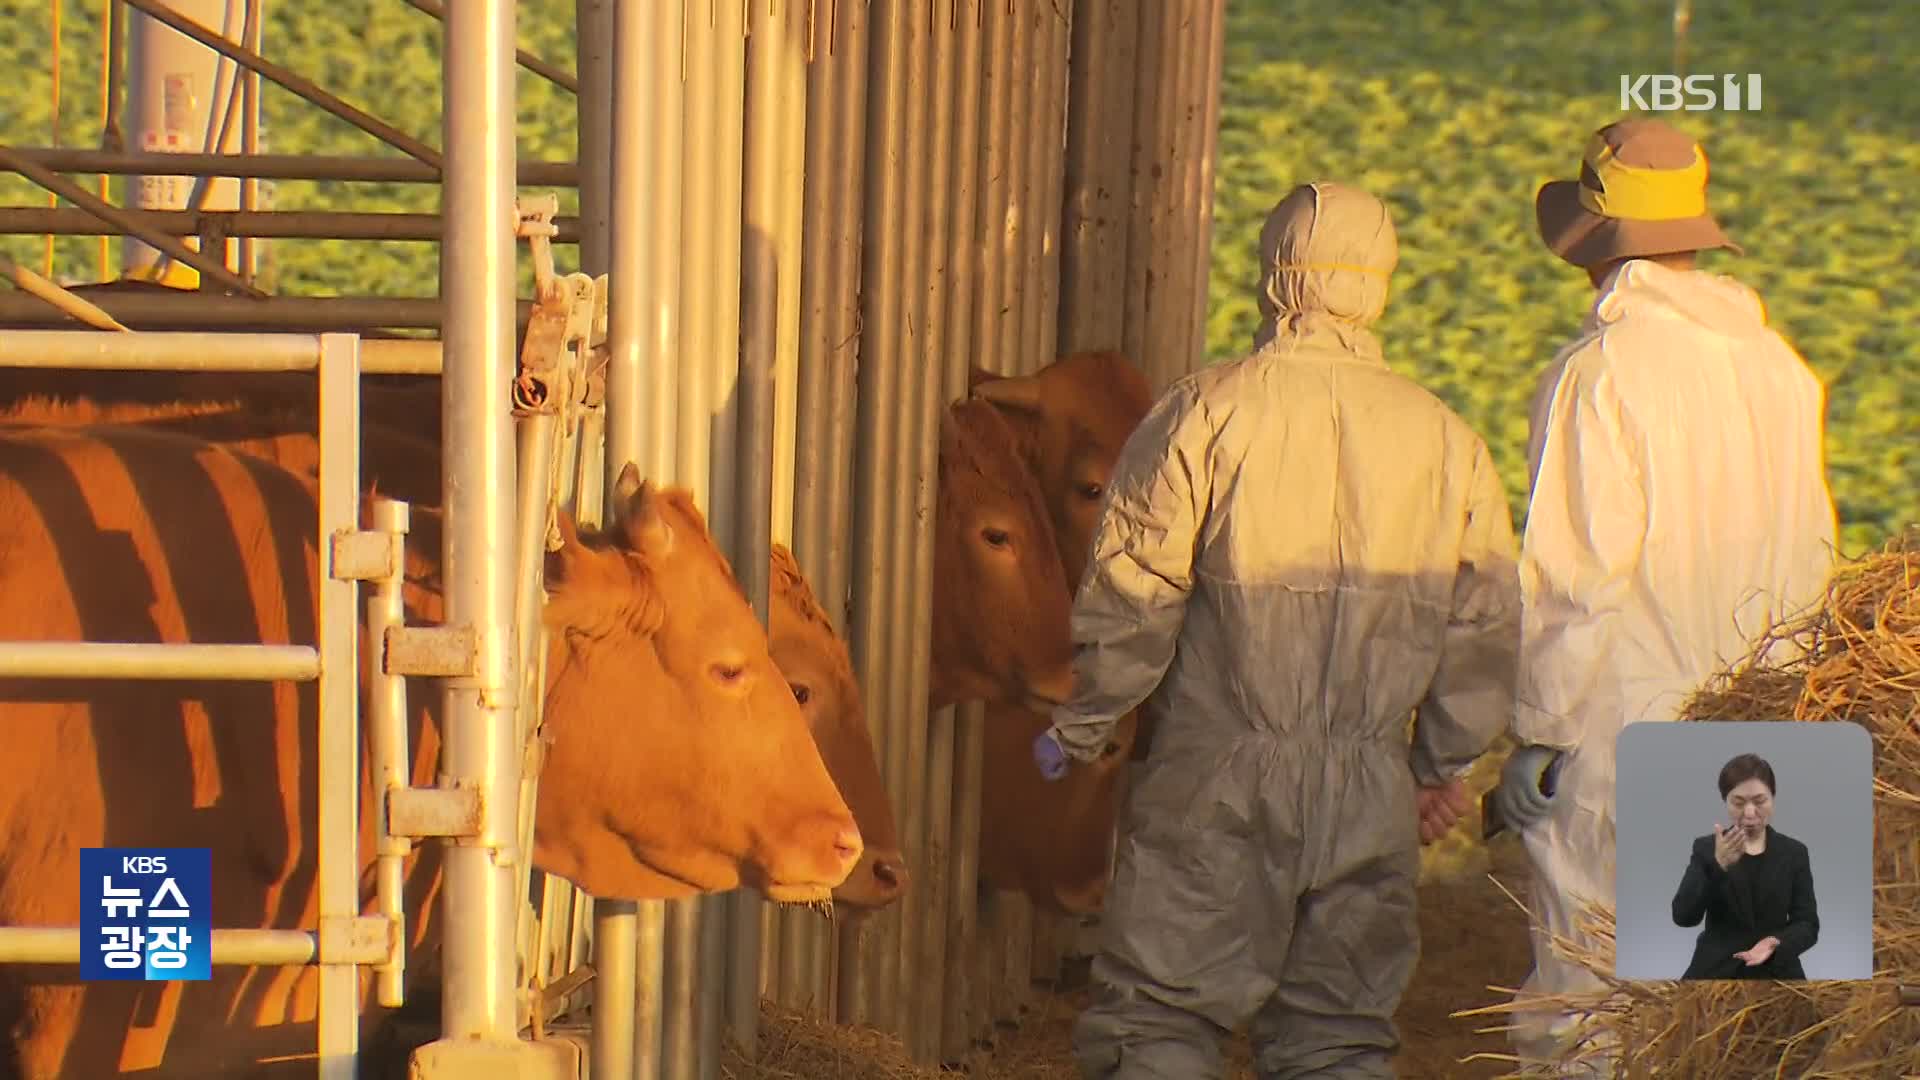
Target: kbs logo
1694, 93
146, 913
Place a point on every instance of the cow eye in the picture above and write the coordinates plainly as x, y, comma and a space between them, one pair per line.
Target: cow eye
996, 537
801, 693
728, 674
1091, 491
1110, 749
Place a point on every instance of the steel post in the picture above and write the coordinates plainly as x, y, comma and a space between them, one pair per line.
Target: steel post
339, 740
386, 722
594, 109
481, 748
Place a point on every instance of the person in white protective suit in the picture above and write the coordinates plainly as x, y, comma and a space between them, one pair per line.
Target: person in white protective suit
1679, 508
1300, 553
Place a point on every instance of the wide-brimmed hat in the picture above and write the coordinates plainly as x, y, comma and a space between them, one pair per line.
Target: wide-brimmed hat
1642, 191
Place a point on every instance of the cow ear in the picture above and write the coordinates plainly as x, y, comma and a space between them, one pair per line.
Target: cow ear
563, 563
1020, 394
628, 485
644, 525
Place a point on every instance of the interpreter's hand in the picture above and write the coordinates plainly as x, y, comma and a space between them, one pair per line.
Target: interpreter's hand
1729, 845
1521, 796
1048, 755
1440, 809
1760, 953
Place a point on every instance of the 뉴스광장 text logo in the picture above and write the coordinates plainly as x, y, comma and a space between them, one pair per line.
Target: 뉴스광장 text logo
1693, 93
145, 913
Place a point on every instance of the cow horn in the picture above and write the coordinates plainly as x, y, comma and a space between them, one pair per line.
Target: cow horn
1020, 392
627, 487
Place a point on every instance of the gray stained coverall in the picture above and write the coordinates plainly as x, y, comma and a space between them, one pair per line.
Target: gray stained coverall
1299, 549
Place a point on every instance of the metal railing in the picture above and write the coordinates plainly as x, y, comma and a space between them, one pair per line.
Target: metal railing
345, 939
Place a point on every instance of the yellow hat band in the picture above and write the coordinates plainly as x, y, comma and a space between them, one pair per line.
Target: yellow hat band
1633, 193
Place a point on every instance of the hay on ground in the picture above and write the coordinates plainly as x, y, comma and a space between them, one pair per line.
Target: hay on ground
1858, 662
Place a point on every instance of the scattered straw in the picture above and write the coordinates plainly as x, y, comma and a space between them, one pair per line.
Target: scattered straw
1858, 662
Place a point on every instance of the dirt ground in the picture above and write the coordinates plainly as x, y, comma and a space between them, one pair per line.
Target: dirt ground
1472, 937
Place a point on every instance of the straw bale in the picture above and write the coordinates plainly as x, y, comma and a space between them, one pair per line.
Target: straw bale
1855, 658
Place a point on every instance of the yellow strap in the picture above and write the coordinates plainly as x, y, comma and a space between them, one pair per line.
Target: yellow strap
1633, 193
1308, 268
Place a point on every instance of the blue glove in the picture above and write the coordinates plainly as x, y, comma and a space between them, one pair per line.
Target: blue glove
1526, 786
1048, 755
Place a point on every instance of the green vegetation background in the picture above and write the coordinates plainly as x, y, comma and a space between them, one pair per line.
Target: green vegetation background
1454, 119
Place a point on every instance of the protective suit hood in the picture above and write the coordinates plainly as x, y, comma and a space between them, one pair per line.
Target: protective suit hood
1327, 255
1714, 301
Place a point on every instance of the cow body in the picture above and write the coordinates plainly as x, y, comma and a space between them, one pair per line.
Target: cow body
676, 759
1054, 842
278, 425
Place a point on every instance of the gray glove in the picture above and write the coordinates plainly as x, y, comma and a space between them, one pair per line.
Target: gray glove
1526, 786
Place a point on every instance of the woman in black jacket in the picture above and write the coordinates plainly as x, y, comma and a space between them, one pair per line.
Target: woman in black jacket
1752, 885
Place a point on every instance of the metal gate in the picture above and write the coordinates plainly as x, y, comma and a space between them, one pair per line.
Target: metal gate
868, 198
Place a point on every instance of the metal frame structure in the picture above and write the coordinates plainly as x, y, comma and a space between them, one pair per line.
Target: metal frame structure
869, 202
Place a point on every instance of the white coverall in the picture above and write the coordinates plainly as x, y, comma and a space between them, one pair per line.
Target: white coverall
1679, 508
1308, 547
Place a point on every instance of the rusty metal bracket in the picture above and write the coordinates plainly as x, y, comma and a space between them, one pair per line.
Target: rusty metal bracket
417, 813
449, 652
366, 556
355, 939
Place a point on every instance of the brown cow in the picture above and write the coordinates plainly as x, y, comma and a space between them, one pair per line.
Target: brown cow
1052, 841
651, 785
404, 466
1000, 603
819, 670
1073, 416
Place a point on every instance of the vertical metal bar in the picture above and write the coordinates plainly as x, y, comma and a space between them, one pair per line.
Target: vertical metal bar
951, 873
1174, 297
653, 141
1215, 32
1050, 152
829, 292
1100, 119
250, 134
990, 320
595, 63
387, 723
915, 466
963, 883
613, 134
760, 285
537, 470
1148, 134
772, 173
615, 928
727, 45
481, 739
1010, 240
863, 988
339, 744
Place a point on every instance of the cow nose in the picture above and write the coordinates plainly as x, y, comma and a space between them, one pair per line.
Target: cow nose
890, 871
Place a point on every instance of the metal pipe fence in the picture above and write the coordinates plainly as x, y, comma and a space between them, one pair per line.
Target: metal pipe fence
808, 236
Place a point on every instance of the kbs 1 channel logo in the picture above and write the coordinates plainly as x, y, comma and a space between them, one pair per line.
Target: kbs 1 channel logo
1692, 93
145, 914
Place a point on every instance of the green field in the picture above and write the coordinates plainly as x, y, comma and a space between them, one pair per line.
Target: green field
1455, 120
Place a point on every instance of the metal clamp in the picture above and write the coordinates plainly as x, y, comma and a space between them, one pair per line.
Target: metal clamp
367, 556
448, 652
415, 812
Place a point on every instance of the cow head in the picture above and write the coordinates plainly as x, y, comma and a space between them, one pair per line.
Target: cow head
1001, 605
1073, 417
1052, 841
819, 670
678, 761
